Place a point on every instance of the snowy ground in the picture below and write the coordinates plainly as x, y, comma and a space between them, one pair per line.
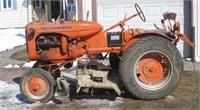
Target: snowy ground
9, 94
11, 38
25, 65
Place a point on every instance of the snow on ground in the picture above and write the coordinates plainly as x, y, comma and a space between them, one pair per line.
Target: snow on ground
29, 64
25, 65
11, 38
11, 66
10, 97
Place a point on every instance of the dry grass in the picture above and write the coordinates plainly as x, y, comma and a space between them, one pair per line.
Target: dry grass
20, 55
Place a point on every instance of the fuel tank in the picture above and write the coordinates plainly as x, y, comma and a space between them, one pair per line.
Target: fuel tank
72, 29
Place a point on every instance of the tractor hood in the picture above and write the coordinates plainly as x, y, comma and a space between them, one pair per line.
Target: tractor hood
72, 29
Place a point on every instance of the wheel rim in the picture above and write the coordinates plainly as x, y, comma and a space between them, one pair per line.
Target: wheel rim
153, 70
37, 87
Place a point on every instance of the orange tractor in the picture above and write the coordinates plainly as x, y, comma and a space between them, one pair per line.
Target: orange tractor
150, 65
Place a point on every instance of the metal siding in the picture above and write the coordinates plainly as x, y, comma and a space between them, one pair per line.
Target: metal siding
14, 18
195, 24
198, 31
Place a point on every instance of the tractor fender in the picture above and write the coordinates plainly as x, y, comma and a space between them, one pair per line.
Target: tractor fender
131, 37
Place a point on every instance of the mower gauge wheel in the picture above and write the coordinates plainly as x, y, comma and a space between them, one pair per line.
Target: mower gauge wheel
140, 12
65, 88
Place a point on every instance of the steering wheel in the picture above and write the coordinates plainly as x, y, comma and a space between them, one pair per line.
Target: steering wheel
140, 12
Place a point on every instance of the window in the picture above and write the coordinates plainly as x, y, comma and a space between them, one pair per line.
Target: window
8, 4
70, 10
37, 4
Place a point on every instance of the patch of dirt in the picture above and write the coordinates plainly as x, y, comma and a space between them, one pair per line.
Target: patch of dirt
11, 75
189, 85
5, 57
20, 55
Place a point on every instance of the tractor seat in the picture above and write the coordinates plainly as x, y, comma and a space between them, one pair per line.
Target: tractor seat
169, 16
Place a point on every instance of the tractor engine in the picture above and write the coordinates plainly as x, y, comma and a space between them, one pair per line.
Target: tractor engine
58, 42
45, 42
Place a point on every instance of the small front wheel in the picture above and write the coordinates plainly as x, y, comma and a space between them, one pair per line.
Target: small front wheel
37, 85
47, 67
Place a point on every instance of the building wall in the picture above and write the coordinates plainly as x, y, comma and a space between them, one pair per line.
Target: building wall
198, 34
18, 17
87, 8
29, 11
196, 25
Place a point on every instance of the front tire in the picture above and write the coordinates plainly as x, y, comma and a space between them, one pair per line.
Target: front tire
56, 74
151, 68
37, 85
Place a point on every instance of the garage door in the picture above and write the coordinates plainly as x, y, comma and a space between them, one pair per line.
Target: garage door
198, 34
112, 11
196, 16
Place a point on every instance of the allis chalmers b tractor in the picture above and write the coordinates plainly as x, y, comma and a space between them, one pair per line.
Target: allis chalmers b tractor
150, 65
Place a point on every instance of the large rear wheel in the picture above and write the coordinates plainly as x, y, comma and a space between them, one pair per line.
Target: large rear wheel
151, 68
37, 85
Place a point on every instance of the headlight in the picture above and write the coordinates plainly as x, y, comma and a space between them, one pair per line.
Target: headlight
31, 33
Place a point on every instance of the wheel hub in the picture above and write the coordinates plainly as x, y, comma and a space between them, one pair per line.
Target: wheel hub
150, 70
37, 86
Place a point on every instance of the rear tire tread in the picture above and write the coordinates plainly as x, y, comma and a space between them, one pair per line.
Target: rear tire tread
134, 49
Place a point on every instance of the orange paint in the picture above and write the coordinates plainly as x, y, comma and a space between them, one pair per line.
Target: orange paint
37, 86
150, 70
63, 41
77, 38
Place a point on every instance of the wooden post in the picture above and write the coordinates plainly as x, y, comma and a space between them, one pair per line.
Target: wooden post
80, 9
46, 9
94, 10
